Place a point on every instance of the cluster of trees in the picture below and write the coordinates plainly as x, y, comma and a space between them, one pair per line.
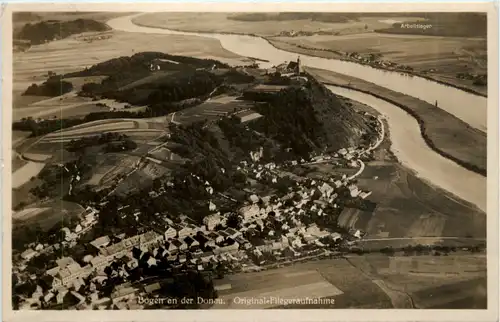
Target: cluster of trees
207, 159
120, 146
243, 140
54, 86
45, 126
290, 120
168, 88
412, 250
25, 234
306, 119
142, 61
41, 32
88, 141
54, 176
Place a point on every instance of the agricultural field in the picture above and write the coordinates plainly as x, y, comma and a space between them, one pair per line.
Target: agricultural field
71, 54
409, 207
27, 213
25, 173
140, 178
212, 109
440, 59
114, 166
222, 22
456, 280
333, 278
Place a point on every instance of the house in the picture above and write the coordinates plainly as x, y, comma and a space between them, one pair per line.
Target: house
211, 206
100, 242
224, 234
336, 236
122, 292
232, 233
313, 230
201, 239
186, 231
227, 249
63, 262
29, 254
353, 189
78, 228
72, 272
342, 151
216, 237
99, 262
253, 198
53, 271
151, 261
48, 297
182, 258
170, 233
39, 247
60, 296
180, 245
152, 288
132, 263
309, 239
289, 252
364, 195
326, 190
295, 242
149, 238
250, 212
207, 256
191, 242
212, 220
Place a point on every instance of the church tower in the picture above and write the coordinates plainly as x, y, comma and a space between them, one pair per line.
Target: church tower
298, 67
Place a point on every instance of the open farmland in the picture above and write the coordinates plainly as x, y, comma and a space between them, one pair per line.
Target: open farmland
25, 173
72, 54
230, 22
132, 128
27, 213
431, 281
123, 166
143, 176
409, 207
439, 57
347, 286
212, 109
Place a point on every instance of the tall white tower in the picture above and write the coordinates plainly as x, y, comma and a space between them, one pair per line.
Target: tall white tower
298, 68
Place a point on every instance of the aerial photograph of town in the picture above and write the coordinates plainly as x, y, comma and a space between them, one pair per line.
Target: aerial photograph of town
249, 160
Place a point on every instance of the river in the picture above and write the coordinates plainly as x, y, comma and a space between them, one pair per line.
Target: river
468, 107
407, 142
412, 151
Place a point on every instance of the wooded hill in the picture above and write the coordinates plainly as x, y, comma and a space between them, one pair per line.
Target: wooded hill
41, 32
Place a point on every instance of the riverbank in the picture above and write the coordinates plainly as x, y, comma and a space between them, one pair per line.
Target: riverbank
456, 141
332, 54
321, 53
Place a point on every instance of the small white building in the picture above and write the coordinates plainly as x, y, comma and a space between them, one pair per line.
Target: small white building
29, 254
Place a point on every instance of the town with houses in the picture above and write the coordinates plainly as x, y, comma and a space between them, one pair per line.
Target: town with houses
266, 232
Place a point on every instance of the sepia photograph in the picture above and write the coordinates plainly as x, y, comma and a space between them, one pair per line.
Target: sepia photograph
165, 159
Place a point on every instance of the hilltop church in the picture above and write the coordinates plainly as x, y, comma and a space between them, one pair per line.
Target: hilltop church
295, 66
